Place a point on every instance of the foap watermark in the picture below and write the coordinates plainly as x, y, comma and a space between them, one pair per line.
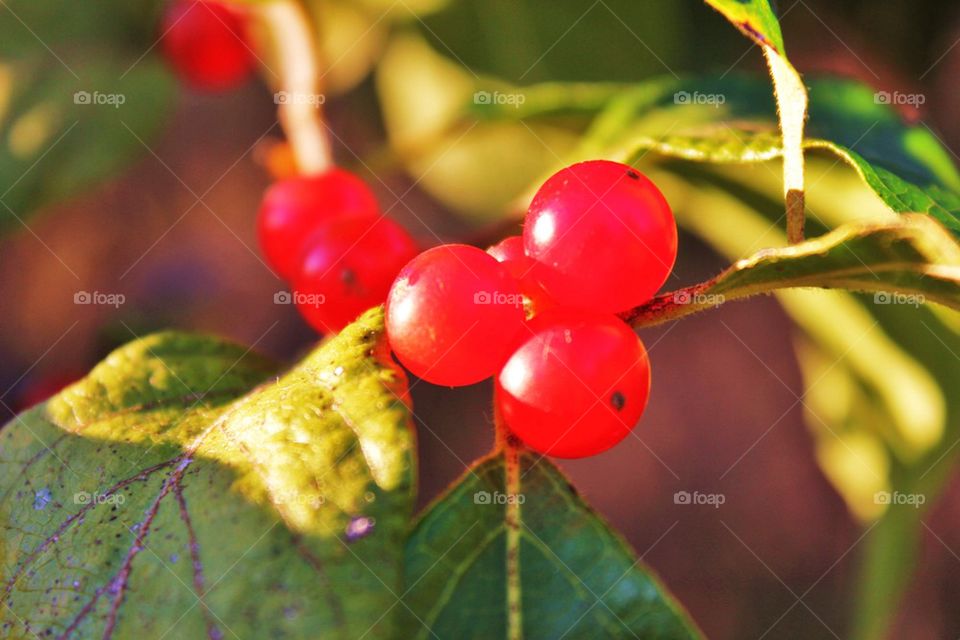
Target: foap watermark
485, 497
696, 97
911, 299
114, 100
299, 298
495, 297
696, 498
296, 498
97, 498
298, 97
898, 98
500, 98
895, 497
698, 297
99, 298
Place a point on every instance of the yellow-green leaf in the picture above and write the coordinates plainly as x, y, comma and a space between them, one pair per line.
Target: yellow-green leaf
182, 490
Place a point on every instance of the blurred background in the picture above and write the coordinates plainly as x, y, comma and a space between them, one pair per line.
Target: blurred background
154, 203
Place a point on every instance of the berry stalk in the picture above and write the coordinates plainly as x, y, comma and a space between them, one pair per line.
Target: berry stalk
508, 444
296, 54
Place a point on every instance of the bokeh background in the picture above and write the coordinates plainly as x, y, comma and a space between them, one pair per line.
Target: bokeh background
172, 230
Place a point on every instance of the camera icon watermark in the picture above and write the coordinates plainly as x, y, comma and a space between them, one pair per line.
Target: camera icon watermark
698, 298
696, 498
114, 100
911, 299
496, 297
485, 497
299, 298
84, 498
915, 500
897, 98
99, 298
514, 99
696, 97
296, 97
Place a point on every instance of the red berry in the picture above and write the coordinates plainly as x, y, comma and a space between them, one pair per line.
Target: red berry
453, 315
576, 386
509, 251
603, 236
347, 268
205, 41
293, 209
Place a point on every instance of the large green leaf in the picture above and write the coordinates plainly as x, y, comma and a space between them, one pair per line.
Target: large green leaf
576, 578
180, 489
912, 257
81, 93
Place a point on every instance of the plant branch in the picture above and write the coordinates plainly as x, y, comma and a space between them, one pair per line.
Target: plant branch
296, 53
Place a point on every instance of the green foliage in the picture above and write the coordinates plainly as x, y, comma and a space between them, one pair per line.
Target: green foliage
135, 500
578, 579
913, 255
754, 18
81, 93
905, 165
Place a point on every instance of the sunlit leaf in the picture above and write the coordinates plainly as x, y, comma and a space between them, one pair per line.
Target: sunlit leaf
182, 489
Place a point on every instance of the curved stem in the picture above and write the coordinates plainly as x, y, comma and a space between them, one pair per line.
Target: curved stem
299, 99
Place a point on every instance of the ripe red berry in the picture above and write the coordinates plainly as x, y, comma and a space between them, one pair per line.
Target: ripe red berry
509, 252
205, 41
576, 386
603, 236
453, 315
294, 208
510, 249
347, 268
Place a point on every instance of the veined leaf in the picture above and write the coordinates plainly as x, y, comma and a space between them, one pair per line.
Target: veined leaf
180, 489
576, 577
913, 255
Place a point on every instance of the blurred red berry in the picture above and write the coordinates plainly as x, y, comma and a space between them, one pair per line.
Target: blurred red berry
348, 267
293, 209
206, 43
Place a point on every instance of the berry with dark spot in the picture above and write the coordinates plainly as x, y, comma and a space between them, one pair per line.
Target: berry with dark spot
576, 386
602, 236
347, 268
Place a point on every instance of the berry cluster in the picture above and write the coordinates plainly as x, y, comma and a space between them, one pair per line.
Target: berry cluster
206, 43
326, 235
539, 311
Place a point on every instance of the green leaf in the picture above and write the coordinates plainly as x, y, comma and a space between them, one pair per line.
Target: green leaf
578, 579
755, 19
734, 122
182, 488
82, 91
912, 257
